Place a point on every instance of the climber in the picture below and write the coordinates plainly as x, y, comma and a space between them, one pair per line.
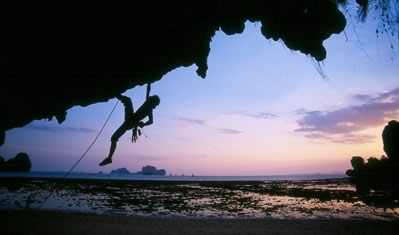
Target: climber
133, 120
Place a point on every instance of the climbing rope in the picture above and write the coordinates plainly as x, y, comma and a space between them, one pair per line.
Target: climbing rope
83, 155
95, 139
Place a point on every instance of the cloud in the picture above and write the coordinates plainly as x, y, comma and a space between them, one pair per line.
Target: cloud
230, 131
192, 121
362, 97
374, 111
59, 128
385, 97
342, 138
259, 115
203, 123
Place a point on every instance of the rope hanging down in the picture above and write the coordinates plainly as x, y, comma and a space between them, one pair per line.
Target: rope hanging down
84, 154
95, 139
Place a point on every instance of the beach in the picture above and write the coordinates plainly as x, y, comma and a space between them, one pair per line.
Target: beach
57, 222
98, 206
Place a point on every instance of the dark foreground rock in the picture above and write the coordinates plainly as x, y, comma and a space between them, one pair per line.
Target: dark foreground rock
384, 169
379, 174
20, 163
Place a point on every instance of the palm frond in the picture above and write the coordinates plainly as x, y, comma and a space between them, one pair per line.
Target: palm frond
363, 9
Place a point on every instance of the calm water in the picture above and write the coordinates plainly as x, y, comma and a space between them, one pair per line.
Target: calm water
170, 178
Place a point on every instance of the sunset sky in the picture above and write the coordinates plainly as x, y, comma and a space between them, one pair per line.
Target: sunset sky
262, 110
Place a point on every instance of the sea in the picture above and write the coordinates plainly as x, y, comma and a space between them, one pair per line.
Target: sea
99, 176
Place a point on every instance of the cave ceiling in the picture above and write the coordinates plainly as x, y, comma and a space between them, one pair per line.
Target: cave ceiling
56, 54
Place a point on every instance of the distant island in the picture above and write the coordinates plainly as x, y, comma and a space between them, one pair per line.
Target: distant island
151, 170
145, 170
121, 171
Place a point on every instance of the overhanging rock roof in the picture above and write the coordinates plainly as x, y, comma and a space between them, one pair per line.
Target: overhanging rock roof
56, 54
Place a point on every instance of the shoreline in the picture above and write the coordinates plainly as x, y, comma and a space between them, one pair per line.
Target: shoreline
166, 180
286, 199
181, 178
60, 222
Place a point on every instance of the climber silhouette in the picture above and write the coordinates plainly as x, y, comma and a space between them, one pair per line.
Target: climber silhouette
133, 120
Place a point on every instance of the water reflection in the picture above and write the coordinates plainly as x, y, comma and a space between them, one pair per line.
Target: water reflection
378, 195
313, 199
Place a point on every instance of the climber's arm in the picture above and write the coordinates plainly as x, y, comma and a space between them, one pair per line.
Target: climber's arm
148, 90
149, 122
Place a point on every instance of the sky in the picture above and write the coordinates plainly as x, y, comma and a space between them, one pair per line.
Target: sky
262, 110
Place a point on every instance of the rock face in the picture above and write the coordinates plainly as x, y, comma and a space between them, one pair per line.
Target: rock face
151, 170
59, 54
383, 171
20, 163
390, 138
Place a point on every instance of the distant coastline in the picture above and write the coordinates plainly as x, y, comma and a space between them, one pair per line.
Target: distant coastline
107, 176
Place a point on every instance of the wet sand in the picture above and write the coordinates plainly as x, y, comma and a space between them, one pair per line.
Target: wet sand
57, 222
80, 206
305, 199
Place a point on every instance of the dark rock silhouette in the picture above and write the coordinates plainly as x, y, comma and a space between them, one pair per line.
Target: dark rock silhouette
357, 163
59, 54
121, 171
151, 170
381, 174
390, 138
20, 163
385, 169
2, 137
